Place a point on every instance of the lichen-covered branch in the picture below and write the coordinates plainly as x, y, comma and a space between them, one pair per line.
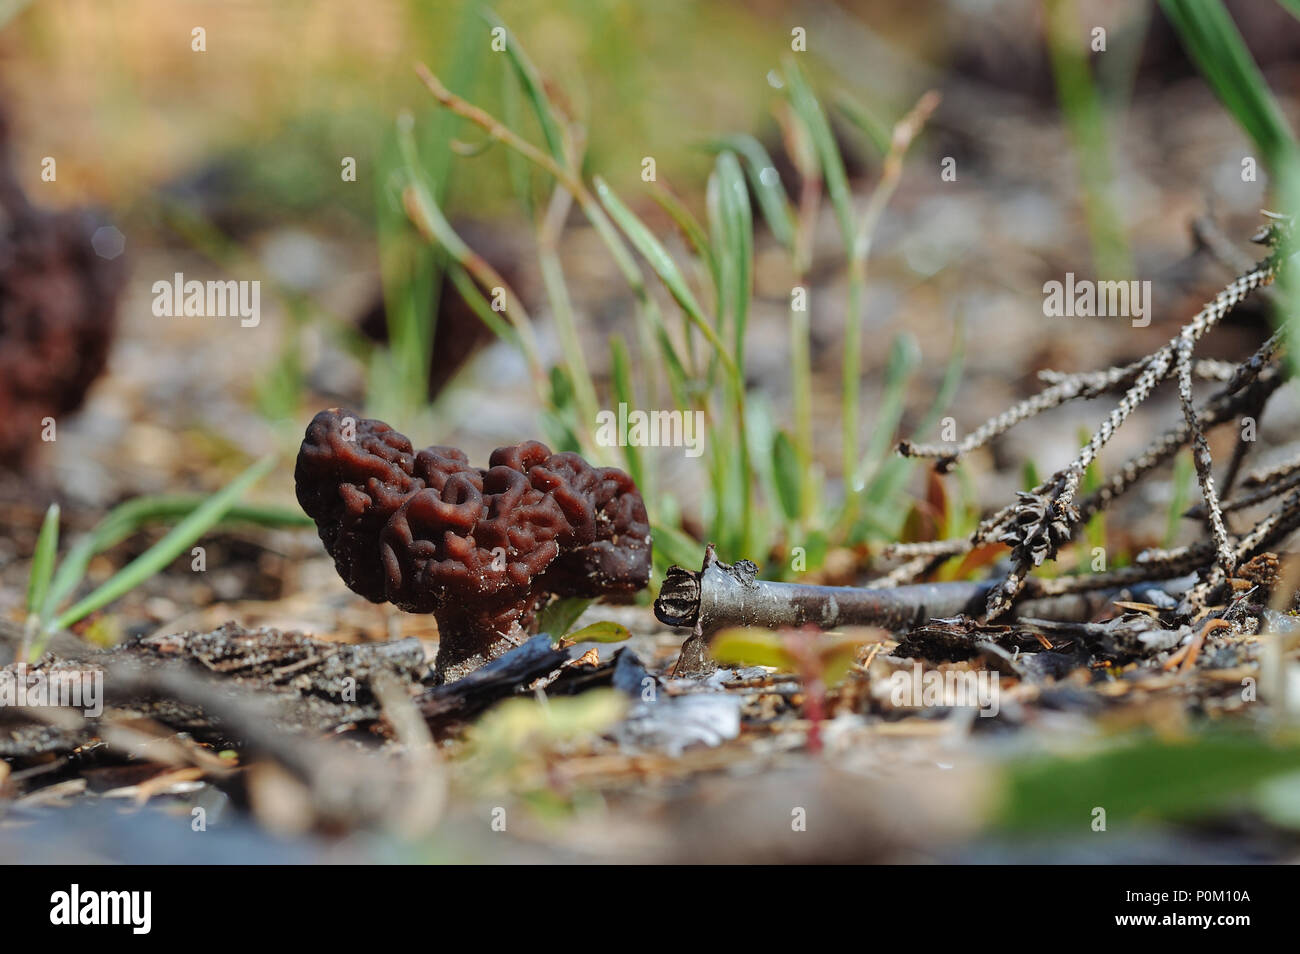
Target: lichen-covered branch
1048, 516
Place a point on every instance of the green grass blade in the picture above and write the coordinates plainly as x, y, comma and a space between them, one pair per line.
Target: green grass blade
948, 386
813, 119
566, 327
625, 393
904, 359
177, 540
521, 172
466, 51
1081, 104
892, 474
411, 271
1181, 484
473, 296
1029, 476
534, 89
738, 245
644, 241
785, 467
1215, 45
407, 269
648, 311
47, 547
878, 132
560, 417
810, 113
732, 221
766, 183
691, 228
801, 387
125, 519
674, 546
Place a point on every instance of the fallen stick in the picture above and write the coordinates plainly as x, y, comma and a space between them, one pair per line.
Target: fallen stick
721, 595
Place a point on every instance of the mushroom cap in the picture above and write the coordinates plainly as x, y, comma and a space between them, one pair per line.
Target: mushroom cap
430, 533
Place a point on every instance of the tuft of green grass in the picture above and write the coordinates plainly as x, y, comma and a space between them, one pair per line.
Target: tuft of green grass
764, 494
412, 271
49, 588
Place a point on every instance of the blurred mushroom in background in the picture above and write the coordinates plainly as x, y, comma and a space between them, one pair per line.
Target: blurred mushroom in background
61, 276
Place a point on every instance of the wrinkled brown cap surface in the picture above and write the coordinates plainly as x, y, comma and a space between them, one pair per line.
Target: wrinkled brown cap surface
480, 548
58, 305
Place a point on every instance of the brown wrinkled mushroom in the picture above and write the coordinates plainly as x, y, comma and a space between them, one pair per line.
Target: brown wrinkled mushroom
483, 550
58, 305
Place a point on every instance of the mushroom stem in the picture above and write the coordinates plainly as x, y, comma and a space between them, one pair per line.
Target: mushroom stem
465, 643
460, 653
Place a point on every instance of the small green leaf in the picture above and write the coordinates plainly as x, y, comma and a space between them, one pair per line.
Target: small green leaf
558, 617
816, 545
839, 659
603, 632
749, 646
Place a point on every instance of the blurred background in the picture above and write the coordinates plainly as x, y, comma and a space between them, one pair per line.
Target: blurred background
218, 140
226, 163
274, 143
